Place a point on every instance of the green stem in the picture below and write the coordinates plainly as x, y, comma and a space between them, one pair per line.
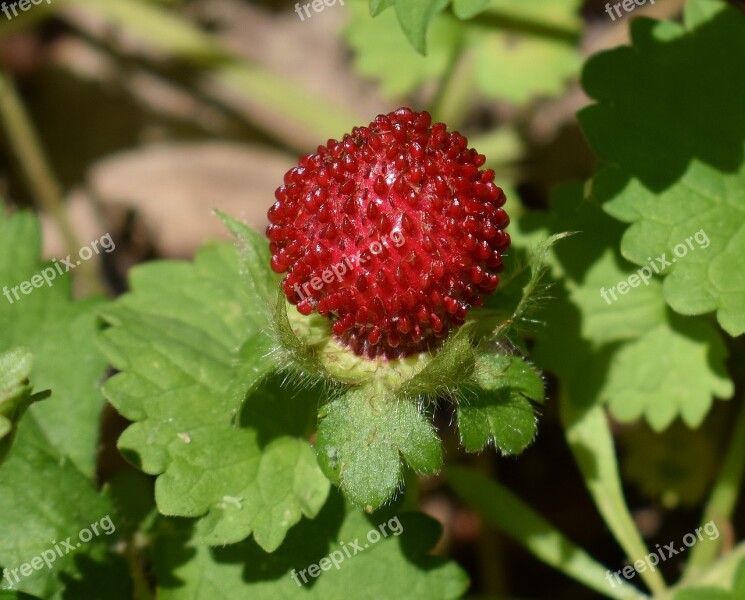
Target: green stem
527, 24
452, 100
505, 511
723, 499
589, 436
28, 149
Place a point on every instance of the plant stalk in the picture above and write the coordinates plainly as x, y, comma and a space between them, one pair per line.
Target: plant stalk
723, 499
25, 142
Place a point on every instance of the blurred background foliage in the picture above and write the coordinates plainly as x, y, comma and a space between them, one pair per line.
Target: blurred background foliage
151, 113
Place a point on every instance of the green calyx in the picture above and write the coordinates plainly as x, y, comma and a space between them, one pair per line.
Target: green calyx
309, 340
377, 421
375, 418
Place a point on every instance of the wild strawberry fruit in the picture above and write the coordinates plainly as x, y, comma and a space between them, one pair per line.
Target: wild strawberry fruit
393, 233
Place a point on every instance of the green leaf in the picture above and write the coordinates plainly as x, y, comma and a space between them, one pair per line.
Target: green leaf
415, 17
547, 13
594, 269
46, 492
255, 256
677, 171
599, 316
698, 11
378, 43
467, 9
225, 438
496, 408
517, 71
720, 577
522, 292
378, 6
254, 365
15, 368
527, 49
514, 52
59, 333
645, 378
363, 437
609, 316
738, 583
398, 565
132, 494
34, 520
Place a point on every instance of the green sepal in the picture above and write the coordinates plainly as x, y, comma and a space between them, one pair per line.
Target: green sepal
366, 436
496, 405
15, 394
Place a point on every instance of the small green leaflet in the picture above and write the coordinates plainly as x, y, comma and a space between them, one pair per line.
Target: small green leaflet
496, 409
512, 51
414, 16
364, 438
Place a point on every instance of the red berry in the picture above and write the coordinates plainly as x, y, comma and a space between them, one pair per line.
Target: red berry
393, 233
